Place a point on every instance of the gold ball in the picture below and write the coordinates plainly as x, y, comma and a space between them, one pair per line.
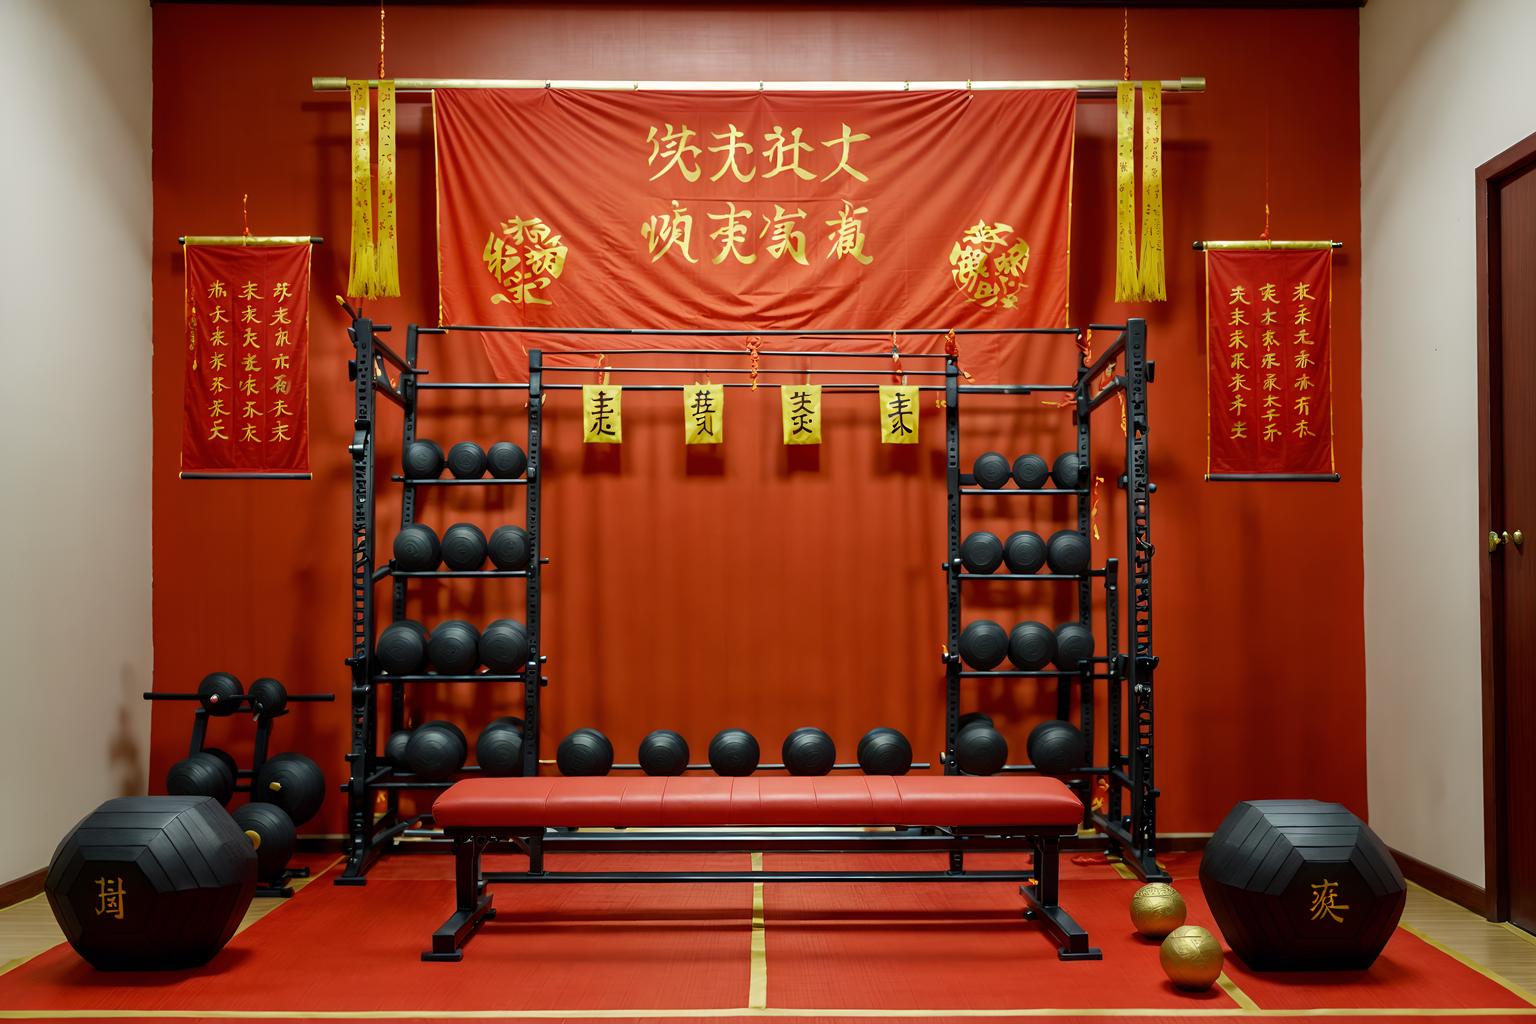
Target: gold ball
1157, 909
1191, 958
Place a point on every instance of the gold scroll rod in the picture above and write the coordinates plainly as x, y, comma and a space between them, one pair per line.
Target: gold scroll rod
249, 239
1095, 87
1260, 243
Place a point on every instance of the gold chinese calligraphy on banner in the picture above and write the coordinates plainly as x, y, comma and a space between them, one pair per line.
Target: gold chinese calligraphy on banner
898, 414
801, 406
786, 210
1269, 368
246, 390
704, 414
600, 414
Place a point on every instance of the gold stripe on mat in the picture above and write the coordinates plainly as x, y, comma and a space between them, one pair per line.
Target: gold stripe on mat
757, 988
745, 1011
1232, 989
1492, 976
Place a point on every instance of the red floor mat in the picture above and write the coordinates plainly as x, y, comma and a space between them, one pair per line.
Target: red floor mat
908, 951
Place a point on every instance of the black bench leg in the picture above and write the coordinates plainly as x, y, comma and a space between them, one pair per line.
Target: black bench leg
473, 903
1042, 899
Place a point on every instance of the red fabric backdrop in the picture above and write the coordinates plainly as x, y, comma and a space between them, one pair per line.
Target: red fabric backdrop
767, 587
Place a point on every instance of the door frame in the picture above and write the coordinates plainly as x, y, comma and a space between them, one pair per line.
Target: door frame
1516, 160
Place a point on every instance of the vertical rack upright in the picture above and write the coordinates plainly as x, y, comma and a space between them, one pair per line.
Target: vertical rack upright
1128, 679
368, 832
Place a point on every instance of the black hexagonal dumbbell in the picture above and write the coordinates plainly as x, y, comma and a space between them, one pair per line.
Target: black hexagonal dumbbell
1301, 885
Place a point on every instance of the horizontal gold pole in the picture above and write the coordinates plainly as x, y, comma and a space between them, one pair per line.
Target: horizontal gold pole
249, 240
1084, 87
1261, 243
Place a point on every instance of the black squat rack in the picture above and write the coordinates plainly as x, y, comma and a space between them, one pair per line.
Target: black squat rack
1126, 825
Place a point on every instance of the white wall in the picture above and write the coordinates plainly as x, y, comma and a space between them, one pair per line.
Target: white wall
1444, 86
74, 415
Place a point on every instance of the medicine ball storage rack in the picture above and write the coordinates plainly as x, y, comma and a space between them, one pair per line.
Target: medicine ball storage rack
1127, 823
245, 777
1128, 676
369, 834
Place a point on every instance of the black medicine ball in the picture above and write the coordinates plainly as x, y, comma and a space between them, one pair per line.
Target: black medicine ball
584, 752
885, 751
1074, 645
466, 461
1024, 552
509, 548
664, 752
1067, 552
504, 647
417, 548
1030, 472
506, 460
809, 751
499, 750
1031, 646
1057, 747
981, 750
981, 552
423, 460
733, 752
454, 649
402, 648
463, 547
1067, 473
991, 470
983, 644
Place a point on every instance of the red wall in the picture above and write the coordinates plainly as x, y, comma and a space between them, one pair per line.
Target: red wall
827, 606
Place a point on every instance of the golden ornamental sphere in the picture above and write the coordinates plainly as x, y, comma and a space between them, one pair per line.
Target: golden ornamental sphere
1157, 909
1191, 958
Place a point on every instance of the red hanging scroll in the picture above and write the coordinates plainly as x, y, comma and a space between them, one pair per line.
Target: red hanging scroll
850, 210
1269, 362
246, 398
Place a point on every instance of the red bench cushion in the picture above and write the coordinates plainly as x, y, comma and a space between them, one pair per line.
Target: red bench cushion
708, 802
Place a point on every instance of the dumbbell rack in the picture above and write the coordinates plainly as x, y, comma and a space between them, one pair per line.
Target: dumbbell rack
1127, 676
370, 834
245, 778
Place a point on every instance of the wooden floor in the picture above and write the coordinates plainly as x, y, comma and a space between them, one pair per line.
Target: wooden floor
1502, 948
28, 928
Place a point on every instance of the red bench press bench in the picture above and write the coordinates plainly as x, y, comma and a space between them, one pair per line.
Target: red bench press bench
952, 814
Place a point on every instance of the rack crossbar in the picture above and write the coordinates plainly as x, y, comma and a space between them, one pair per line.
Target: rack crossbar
671, 332
689, 877
483, 481
742, 371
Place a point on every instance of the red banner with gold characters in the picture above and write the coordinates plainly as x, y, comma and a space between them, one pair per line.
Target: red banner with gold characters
1269, 326
824, 210
246, 397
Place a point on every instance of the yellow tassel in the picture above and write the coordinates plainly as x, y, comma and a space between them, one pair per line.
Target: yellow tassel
1154, 287
386, 253
1127, 284
360, 270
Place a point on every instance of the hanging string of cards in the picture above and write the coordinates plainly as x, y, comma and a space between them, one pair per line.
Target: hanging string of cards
703, 411
246, 391
1269, 327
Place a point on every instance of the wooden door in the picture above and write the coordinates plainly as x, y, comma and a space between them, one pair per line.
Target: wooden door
1507, 381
